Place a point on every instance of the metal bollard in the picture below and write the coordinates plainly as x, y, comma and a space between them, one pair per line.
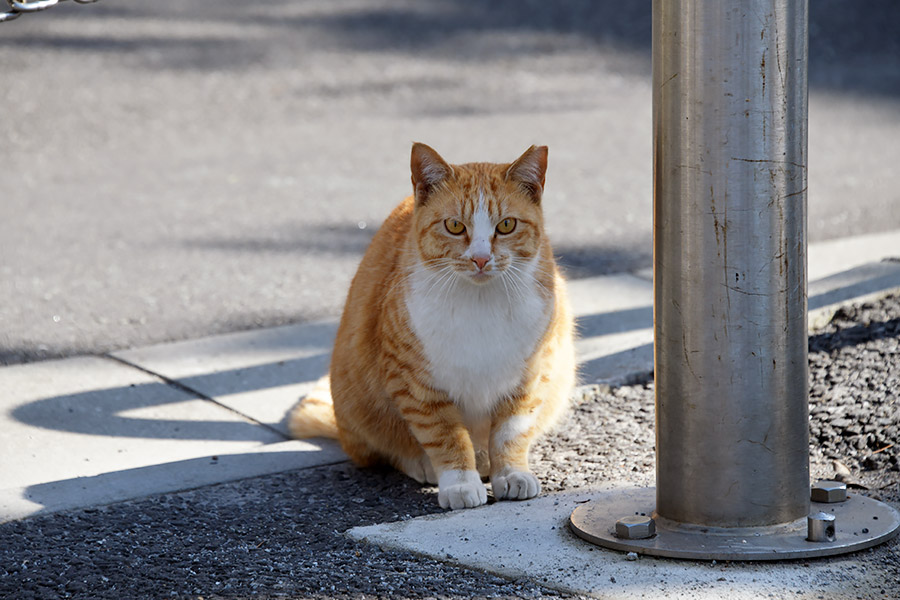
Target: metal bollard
730, 315
730, 262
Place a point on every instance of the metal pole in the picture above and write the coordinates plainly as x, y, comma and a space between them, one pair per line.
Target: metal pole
729, 123
729, 253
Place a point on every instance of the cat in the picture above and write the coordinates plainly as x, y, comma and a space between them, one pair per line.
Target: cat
455, 349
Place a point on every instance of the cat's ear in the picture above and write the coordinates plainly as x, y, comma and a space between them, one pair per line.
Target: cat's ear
529, 171
428, 171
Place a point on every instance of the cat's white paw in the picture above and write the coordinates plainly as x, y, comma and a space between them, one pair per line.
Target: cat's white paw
461, 489
511, 484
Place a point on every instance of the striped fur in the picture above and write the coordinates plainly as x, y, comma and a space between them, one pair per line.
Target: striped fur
455, 350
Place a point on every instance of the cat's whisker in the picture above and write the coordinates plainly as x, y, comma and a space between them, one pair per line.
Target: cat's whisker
437, 263
522, 286
437, 281
509, 274
520, 279
522, 290
444, 283
522, 274
504, 275
416, 270
431, 266
438, 270
452, 281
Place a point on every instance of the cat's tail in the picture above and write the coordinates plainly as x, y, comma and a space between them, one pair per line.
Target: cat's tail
314, 415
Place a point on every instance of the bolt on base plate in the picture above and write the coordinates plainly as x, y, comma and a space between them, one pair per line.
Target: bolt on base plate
860, 523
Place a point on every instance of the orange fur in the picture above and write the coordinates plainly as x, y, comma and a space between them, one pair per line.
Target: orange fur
314, 417
442, 404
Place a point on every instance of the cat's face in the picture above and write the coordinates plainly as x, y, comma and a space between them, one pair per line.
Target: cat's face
479, 222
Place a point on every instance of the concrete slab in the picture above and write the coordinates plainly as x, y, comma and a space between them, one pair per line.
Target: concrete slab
260, 374
89, 430
531, 540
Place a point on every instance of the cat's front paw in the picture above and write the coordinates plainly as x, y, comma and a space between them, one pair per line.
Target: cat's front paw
461, 489
512, 484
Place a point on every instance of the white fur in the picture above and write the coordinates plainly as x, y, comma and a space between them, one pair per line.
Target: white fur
461, 489
477, 337
482, 231
512, 484
512, 428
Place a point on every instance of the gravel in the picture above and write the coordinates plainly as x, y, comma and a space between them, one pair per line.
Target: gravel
854, 410
854, 378
282, 535
269, 537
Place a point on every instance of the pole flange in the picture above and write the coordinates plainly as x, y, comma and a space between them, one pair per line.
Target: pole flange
860, 523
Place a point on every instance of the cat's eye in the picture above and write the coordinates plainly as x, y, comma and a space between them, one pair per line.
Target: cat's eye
454, 226
507, 225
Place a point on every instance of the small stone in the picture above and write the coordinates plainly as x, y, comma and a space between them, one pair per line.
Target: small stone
841, 471
631, 556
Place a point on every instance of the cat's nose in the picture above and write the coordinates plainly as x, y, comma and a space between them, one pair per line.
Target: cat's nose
480, 261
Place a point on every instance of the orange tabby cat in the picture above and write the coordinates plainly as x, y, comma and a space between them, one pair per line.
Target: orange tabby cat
455, 349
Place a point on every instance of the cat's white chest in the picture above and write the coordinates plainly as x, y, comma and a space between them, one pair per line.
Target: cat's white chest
477, 338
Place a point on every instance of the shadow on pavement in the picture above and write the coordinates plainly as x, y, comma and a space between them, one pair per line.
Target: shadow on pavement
852, 47
578, 262
851, 336
104, 412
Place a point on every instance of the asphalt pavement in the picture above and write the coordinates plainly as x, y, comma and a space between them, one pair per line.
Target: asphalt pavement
174, 170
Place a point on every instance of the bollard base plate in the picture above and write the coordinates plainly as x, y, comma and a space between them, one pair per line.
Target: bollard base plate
860, 523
